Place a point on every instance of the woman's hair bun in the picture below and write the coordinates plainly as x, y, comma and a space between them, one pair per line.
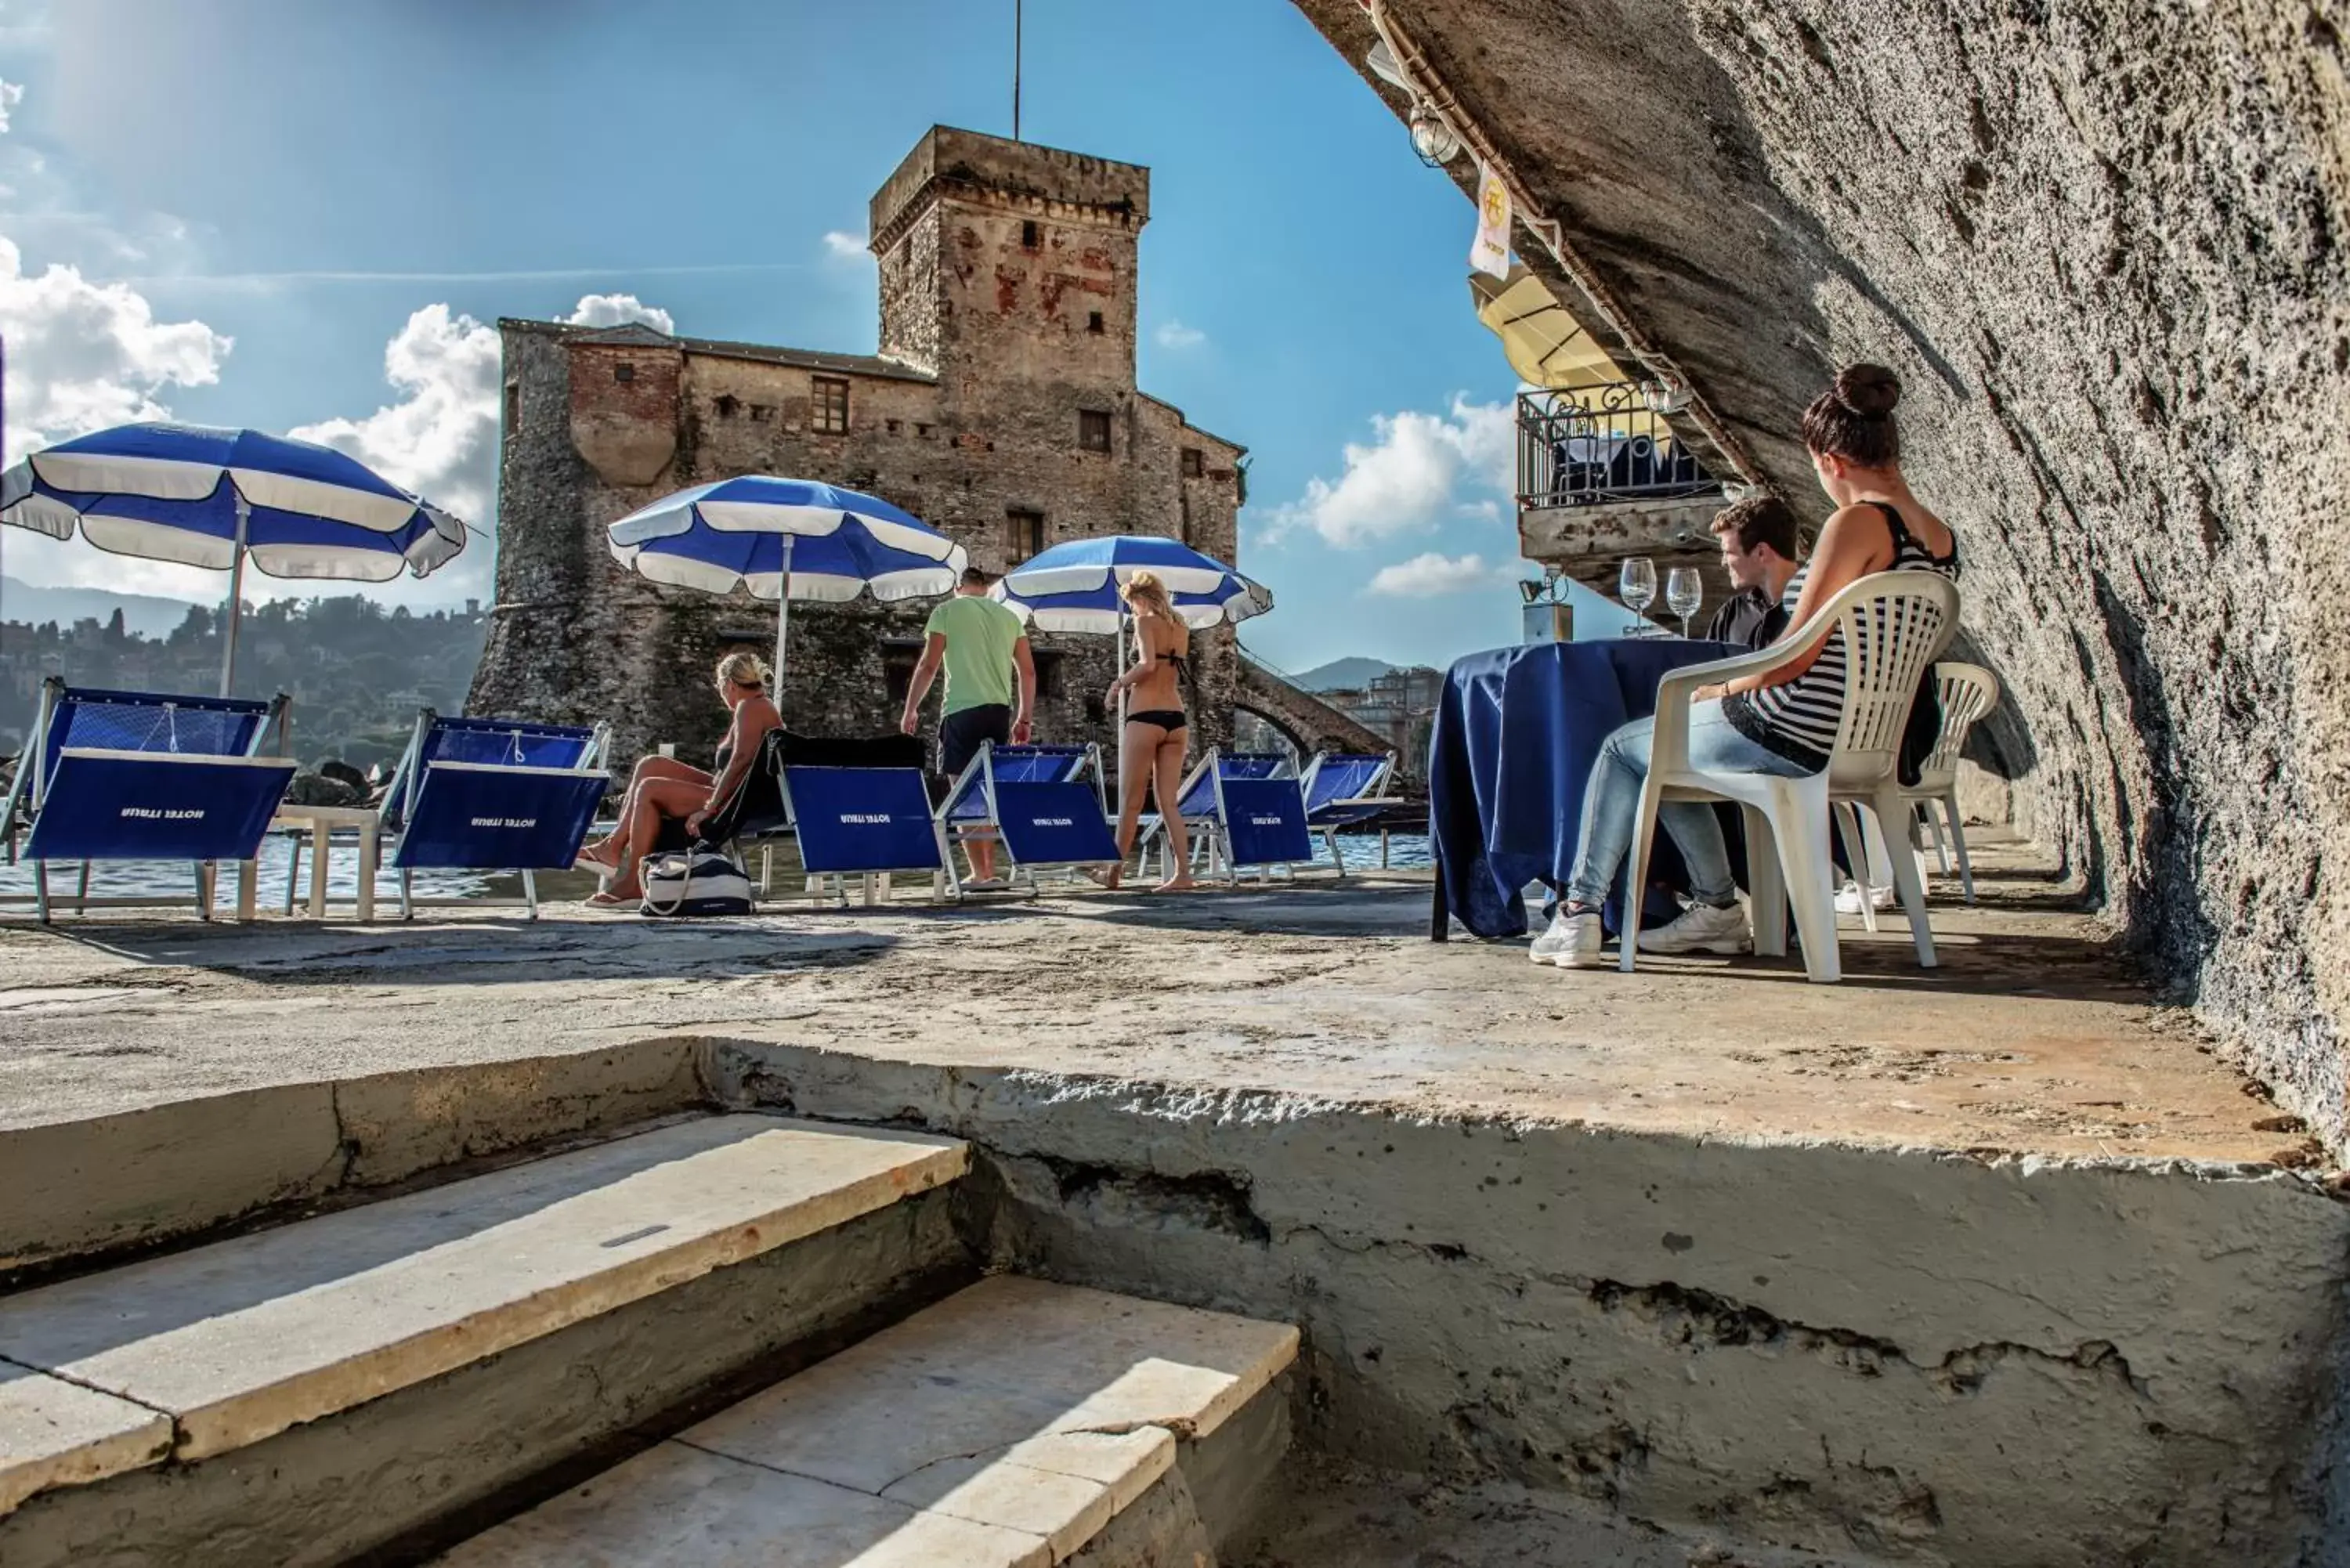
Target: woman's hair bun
1870, 390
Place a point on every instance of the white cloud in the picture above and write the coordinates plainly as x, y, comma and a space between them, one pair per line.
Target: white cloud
1428, 576
842, 245
85, 355
11, 95
616, 310
1412, 478
1175, 334
441, 439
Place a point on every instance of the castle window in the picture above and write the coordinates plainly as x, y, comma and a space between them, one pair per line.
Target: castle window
898, 671
513, 404
762, 412
729, 405
893, 427
1093, 321
624, 373
1093, 429
1193, 464
921, 430
1031, 236
828, 412
1048, 674
1024, 535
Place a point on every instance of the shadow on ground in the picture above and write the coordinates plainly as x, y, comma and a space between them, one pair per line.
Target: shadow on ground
489, 953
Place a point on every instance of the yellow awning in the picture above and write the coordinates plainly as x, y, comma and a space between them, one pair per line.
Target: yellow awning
1545, 345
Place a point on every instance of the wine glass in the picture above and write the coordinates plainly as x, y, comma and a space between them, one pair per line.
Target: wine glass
1637, 584
1683, 593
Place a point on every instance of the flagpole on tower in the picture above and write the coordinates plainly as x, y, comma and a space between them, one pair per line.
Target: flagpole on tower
1017, 7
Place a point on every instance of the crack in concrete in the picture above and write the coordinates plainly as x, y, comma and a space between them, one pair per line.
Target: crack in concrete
1181, 1430
179, 1434
1730, 1324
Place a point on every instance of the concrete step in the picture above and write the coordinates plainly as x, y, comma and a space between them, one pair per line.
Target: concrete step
211, 1350
1007, 1427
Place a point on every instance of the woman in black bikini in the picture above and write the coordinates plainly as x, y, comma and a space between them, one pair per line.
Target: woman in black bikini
1150, 743
665, 787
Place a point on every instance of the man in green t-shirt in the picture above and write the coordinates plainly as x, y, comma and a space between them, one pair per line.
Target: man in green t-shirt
984, 647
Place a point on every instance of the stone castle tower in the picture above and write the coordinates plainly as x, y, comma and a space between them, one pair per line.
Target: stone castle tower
1002, 409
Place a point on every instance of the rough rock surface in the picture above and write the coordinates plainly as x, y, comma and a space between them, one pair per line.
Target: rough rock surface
2101, 242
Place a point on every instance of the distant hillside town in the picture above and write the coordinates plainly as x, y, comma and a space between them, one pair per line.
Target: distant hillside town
357, 671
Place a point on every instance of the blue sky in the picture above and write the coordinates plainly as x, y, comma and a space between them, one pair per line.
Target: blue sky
263, 212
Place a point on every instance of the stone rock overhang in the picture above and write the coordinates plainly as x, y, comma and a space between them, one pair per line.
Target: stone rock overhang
2104, 250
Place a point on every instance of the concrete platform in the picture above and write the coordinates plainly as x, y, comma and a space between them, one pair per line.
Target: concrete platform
2031, 1038
227, 1344
1997, 1262
1005, 1428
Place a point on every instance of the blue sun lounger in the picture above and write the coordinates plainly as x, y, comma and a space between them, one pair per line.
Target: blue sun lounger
492, 794
1044, 803
1248, 809
140, 776
1343, 788
857, 806
862, 822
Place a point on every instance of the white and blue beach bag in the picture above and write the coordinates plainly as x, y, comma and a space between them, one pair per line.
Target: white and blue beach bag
701, 881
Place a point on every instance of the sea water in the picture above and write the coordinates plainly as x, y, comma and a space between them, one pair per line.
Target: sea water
175, 882
1406, 851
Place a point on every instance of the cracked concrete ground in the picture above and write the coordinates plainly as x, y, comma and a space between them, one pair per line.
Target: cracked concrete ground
1704, 1245
2033, 1037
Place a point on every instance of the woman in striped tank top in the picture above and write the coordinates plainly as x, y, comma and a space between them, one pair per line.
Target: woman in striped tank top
1783, 722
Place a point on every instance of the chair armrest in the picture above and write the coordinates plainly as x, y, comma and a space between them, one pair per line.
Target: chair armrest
1669, 751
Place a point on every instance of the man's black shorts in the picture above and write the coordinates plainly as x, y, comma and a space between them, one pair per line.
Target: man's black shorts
960, 732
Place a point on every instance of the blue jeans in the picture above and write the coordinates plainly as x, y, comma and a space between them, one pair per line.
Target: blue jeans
1611, 802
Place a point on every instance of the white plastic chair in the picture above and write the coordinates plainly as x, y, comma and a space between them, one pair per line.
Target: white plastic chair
1967, 692
1894, 624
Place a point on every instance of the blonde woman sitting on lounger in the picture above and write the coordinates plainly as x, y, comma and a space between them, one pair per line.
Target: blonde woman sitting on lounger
663, 787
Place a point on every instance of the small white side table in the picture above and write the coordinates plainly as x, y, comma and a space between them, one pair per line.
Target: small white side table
320, 822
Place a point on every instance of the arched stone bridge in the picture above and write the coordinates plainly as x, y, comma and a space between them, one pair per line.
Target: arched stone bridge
1310, 724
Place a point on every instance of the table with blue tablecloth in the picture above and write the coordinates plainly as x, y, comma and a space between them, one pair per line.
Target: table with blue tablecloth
1517, 731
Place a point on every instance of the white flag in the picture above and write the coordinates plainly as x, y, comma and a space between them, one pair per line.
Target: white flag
1490, 252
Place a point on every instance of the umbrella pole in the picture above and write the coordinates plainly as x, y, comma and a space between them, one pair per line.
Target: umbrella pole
235, 595
783, 617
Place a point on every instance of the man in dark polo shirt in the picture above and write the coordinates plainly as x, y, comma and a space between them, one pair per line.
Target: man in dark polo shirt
1759, 551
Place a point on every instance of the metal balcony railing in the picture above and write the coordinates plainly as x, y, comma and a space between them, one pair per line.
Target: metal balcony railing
1603, 443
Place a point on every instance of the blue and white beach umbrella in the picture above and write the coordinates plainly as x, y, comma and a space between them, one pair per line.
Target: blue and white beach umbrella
1073, 587
202, 496
786, 539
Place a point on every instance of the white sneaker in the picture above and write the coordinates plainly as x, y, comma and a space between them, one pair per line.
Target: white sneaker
1573, 941
1848, 899
1700, 928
